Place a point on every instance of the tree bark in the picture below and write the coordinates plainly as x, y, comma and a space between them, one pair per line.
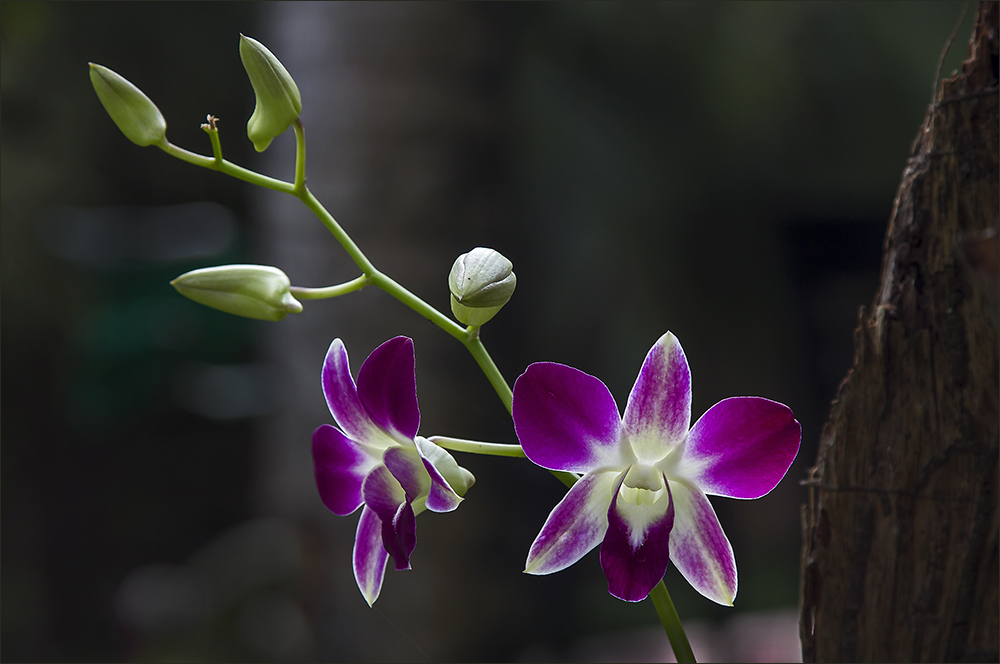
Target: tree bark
900, 534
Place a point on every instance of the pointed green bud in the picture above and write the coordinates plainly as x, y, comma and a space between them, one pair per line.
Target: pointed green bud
137, 117
253, 291
278, 99
481, 282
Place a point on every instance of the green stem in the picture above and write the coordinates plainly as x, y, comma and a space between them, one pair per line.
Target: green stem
477, 447
376, 277
478, 350
394, 289
496, 449
228, 168
300, 157
671, 623
302, 293
213, 135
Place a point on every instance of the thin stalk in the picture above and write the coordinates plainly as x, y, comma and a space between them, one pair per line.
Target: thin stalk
213, 135
336, 230
478, 350
300, 156
671, 623
496, 449
477, 447
302, 293
228, 168
394, 289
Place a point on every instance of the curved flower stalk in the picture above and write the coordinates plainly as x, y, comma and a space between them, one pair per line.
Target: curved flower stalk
376, 459
646, 475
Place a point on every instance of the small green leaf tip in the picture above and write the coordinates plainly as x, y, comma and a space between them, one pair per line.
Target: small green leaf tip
481, 282
137, 117
252, 291
278, 99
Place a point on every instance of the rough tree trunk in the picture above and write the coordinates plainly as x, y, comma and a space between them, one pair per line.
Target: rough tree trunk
900, 552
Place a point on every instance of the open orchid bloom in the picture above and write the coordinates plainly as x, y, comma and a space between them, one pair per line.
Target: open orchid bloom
646, 475
376, 459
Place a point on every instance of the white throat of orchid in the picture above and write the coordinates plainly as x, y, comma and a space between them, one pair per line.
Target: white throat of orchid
642, 499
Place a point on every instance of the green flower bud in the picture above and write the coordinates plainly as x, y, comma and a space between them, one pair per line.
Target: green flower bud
278, 99
137, 117
253, 291
481, 282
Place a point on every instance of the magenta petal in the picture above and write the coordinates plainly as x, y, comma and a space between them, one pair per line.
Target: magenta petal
369, 556
658, 412
340, 467
386, 498
633, 571
566, 419
576, 525
741, 447
387, 387
342, 395
698, 546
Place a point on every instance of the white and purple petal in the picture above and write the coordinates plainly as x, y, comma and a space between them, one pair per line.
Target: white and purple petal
342, 397
635, 552
741, 447
658, 412
408, 469
699, 548
369, 556
439, 466
576, 525
567, 420
386, 498
387, 388
340, 466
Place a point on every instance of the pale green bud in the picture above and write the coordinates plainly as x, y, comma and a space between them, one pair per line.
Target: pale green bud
481, 282
253, 291
137, 117
278, 99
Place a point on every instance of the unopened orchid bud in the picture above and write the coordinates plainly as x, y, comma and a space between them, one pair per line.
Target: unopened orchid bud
278, 99
253, 291
481, 282
135, 114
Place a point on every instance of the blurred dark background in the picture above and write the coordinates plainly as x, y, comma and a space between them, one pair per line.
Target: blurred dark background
721, 170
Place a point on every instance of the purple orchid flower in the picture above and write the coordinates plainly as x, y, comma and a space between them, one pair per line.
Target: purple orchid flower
645, 478
377, 460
